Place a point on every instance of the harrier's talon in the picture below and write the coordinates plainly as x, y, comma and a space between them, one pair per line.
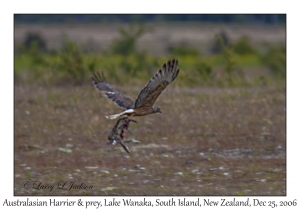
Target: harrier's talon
131, 120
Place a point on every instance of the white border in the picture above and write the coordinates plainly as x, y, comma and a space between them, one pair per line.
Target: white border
8, 8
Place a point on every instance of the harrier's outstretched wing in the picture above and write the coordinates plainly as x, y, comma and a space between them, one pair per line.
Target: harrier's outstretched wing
157, 84
110, 92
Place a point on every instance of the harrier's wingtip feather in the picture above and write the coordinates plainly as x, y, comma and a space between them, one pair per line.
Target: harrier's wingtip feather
157, 84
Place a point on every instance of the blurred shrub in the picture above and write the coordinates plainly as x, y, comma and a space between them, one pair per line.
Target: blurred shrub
35, 54
36, 39
234, 76
183, 50
137, 65
132, 63
227, 55
243, 46
30, 55
204, 70
127, 43
34, 46
275, 60
71, 64
218, 44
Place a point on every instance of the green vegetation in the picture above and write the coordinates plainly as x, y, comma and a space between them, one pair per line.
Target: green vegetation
275, 60
71, 63
230, 64
243, 47
183, 50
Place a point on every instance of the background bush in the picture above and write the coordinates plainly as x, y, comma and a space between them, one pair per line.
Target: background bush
275, 60
123, 62
243, 46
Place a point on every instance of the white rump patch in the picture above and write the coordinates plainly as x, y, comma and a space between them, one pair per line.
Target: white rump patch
128, 111
120, 114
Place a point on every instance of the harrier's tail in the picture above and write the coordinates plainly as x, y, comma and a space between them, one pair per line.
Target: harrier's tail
125, 113
113, 116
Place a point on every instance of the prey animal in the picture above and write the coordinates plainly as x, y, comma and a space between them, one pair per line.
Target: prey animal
117, 133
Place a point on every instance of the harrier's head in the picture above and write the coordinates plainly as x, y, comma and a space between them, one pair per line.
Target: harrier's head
156, 109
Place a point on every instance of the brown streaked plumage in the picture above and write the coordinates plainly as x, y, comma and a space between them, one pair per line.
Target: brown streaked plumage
144, 104
117, 133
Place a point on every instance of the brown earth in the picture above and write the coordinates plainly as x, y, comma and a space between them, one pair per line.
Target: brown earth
208, 141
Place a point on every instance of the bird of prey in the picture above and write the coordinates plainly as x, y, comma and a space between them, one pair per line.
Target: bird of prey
144, 103
117, 133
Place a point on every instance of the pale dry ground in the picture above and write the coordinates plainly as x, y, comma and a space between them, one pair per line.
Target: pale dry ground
208, 141
161, 36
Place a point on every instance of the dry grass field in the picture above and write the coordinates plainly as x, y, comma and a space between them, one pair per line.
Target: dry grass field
207, 141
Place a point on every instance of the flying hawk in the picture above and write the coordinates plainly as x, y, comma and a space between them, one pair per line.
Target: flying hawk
144, 103
117, 133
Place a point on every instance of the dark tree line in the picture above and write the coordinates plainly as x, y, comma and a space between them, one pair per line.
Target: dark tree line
94, 18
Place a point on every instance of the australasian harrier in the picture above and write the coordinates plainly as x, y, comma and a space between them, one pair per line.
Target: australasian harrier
144, 104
